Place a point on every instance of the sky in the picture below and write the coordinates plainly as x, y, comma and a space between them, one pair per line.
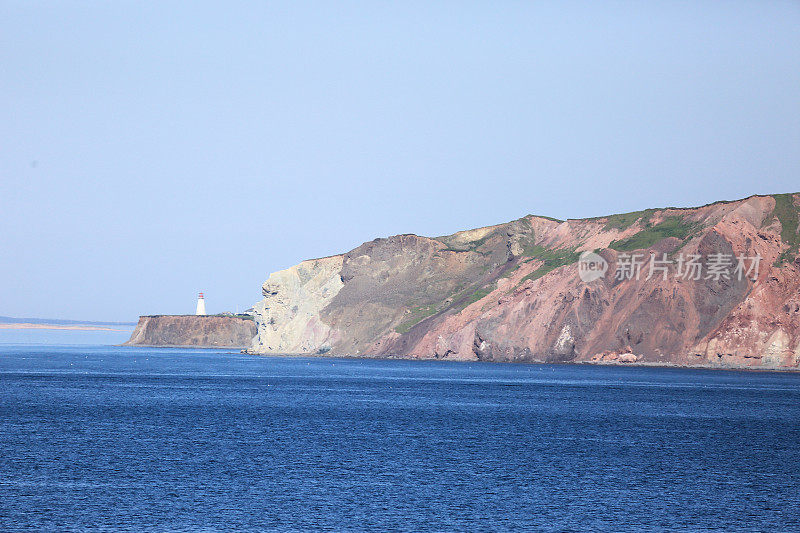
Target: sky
151, 150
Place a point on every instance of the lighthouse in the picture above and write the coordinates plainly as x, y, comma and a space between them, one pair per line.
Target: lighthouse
201, 305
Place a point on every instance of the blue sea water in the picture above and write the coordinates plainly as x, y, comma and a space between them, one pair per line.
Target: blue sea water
109, 438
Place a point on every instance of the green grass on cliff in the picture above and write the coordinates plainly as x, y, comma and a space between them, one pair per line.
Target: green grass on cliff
461, 300
551, 219
551, 259
652, 233
787, 212
417, 315
242, 316
624, 221
479, 294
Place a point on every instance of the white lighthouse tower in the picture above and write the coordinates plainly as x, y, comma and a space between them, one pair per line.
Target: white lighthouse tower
201, 305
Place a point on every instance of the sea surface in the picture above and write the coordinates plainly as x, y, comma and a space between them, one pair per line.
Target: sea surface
140, 439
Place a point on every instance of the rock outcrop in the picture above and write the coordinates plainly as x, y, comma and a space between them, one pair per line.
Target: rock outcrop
211, 331
513, 292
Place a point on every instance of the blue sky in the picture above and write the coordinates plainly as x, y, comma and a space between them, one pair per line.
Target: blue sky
151, 150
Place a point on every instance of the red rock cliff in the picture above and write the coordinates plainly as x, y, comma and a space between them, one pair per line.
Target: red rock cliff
513, 292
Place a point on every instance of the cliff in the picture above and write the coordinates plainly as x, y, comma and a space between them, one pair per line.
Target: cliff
190, 330
514, 292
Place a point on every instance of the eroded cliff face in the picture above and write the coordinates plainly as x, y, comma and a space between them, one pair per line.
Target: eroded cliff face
288, 317
190, 330
512, 292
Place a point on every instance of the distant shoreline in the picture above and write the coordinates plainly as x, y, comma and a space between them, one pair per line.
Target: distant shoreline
75, 327
60, 321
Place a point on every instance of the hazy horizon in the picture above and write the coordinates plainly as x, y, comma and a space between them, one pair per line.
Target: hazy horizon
154, 151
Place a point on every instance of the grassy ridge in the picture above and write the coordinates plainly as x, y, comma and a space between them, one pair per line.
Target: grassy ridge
786, 212
652, 233
624, 221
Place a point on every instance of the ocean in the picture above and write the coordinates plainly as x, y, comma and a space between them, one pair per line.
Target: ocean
140, 439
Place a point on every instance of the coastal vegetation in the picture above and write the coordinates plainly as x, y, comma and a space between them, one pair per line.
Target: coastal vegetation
415, 316
551, 259
652, 233
787, 213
